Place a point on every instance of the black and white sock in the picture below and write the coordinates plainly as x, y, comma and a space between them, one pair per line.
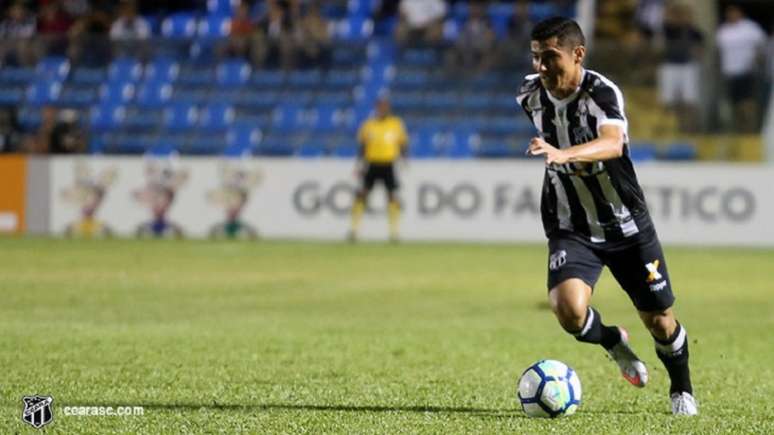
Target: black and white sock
594, 331
673, 352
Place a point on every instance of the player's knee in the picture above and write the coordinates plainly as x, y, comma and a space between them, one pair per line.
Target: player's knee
661, 324
571, 316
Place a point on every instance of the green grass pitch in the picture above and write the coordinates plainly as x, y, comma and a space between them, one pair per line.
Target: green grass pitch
290, 337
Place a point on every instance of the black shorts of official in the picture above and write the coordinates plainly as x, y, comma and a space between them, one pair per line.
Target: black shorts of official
384, 172
639, 268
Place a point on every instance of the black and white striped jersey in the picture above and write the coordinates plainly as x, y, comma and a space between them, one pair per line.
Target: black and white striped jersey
599, 202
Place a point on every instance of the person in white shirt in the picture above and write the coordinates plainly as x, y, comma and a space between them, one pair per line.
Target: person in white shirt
421, 22
129, 26
741, 42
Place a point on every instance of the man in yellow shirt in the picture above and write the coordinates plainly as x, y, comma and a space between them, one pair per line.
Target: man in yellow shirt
383, 139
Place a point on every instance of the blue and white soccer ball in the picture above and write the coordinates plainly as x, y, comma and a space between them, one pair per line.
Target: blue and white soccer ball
549, 388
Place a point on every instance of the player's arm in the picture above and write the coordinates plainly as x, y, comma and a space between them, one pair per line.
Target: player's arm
609, 145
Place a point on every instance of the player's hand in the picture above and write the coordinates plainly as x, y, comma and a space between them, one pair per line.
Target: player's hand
553, 155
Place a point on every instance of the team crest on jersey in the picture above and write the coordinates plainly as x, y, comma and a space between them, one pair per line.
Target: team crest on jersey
557, 260
37, 410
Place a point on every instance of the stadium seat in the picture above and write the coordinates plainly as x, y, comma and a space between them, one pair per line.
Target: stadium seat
425, 143
441, 101
29, 118
124, 69
154, 94
411, 79
162, 69
203, 144
287, 117
138, 118
342, 78
462, 144
311, 149
257, 99
324, 118
275, 145
116, 92
301, 79
11, 95
216, 117
267, 79
419, 57
642, 152
88, 76
194, 75
105, 117
16, 75
233, 72
74, 95
181, 25
222, 7
354, 28
214, 27
242, 139
43, 92
362, 8
339, 98
54, 68
680, 152
181, 116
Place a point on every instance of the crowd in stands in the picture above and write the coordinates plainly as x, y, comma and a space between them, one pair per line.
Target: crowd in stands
655, 42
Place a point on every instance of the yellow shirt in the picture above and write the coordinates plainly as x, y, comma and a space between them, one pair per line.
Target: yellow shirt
383, 139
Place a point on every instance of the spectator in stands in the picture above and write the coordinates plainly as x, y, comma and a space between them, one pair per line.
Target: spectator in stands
16, 28
53, 25
241, 33
129, 30
89, 39
649, 17
279, 27
741, 41
10, 133
40, 141
512, 47
678, 76
473, 50
313, 38
420, 22
67, 136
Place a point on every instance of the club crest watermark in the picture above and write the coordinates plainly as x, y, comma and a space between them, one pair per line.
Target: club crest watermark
37, 410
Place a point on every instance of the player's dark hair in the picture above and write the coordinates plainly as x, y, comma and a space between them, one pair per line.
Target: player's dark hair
567, 31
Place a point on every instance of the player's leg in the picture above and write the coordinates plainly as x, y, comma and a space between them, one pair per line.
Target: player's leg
671, 340
641, 270
359, 205
393, 205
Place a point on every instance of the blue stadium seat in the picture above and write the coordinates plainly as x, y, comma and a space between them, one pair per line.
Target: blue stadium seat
426, 143
474, 101
11, 95
242, 140
325, 118
106, 117
258, 99
181, 25
354, 28
680, 152
162, 69
348, 55
116, 92
642, 152
222, 7
411, 79
43, 92
214, 27
29, 118
216, 117
74, 95
192, 95
462, 144
419, 57
339, 98
403, 101
196, 76
124, 69
181, 116
203, 144
345, 150
53, 68
362, 8
143, 119
163, 146
342, 78
126, 143
267, 79
275, 145
301, 79
233, 72
288, 117
16, 75
88, 76
154, 94
312, 148
443, 101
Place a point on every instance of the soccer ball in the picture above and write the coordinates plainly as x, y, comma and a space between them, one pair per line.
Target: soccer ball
549, 388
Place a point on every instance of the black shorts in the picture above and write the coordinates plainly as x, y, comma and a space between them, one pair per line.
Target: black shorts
380, 171
741, 87
639, 268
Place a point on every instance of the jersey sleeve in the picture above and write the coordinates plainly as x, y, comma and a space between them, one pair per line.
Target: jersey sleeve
402, 133
528, 86
609, 106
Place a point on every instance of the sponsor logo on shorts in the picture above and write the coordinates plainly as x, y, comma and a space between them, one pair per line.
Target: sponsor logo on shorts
658, 287
653, 274
557, 260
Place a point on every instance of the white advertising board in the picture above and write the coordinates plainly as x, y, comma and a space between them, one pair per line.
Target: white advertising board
443, 200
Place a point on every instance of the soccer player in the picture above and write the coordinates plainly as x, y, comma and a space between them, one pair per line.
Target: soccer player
383, 140
593, 209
